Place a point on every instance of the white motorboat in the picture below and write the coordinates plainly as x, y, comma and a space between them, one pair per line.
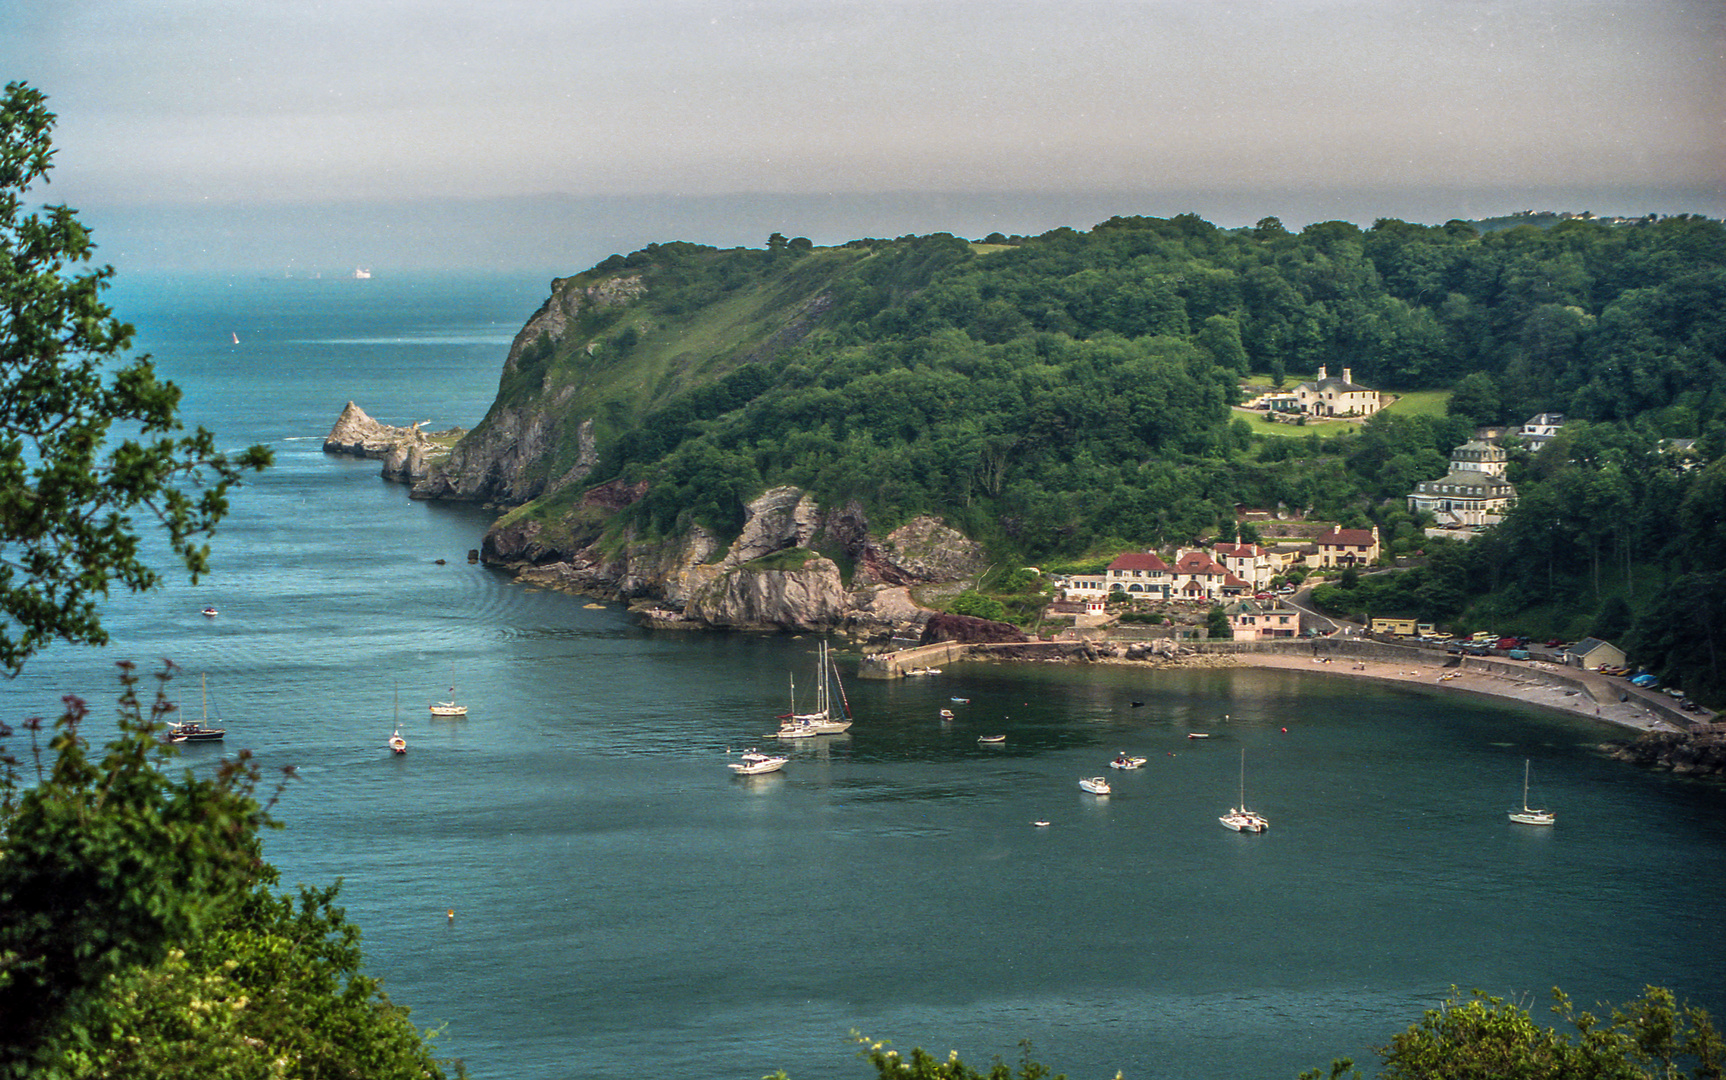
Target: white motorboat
924, 671
1096, 785
1527, 816
991, 739
820, 721
1122, 761
1239, 818
754, 763
946, 714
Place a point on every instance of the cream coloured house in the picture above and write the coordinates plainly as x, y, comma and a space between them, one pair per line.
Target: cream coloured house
1473, 492
1326, 396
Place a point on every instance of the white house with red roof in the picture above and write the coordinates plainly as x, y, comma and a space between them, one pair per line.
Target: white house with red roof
1348, 547
1139, 574
1249, 562
1198, 576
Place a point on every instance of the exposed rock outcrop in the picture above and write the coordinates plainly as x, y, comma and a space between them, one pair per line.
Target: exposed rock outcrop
701, 581
1694, 753
923, 550
967, 630
358, 435
781, 518
406, 452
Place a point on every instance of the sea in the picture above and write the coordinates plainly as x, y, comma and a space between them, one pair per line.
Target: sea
569, 881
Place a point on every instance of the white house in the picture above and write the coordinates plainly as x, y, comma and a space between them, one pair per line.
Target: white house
1331, 396
1540, 429
1473, 492
1139, 574
1251, 563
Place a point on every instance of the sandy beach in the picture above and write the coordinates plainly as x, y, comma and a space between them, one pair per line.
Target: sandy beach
1511, 684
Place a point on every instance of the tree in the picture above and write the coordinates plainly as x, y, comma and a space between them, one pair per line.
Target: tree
138, 934
1487, 1037
1217, 624
68, 491
1475, 399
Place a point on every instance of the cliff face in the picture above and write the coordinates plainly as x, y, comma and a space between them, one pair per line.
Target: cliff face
780, 572
409, 455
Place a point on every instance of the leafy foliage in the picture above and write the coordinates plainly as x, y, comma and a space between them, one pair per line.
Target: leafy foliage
139, 936
1487, 1037
68, 490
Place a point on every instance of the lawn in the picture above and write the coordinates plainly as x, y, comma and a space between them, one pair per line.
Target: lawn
1412, 403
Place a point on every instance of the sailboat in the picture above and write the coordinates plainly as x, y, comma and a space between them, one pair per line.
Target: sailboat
796, 725
397, 743
449, 708
193, 730
1527, 816
1239, 818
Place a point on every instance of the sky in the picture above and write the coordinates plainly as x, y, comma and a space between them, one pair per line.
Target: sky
299, 135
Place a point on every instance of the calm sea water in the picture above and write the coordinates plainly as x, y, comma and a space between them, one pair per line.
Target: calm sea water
626, 907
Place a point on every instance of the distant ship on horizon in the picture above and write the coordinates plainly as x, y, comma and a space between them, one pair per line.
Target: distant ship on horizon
361, 273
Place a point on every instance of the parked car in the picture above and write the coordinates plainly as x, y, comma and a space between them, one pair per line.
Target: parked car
1646, 680
1510, 643
1519, 654
1484, 635
1689, 706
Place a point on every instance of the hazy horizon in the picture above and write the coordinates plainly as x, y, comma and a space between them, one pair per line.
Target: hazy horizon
437, 134
562, 235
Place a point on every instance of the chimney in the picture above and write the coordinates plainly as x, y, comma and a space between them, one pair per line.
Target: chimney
1348, 375
1321, 373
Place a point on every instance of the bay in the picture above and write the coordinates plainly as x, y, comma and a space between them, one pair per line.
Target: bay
624, 906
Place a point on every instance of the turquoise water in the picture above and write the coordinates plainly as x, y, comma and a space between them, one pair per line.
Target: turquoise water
626, 907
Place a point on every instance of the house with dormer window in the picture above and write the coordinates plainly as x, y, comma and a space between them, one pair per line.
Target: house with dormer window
1198, 576
1250, 562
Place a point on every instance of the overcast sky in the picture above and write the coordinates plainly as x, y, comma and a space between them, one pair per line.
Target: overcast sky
244, 128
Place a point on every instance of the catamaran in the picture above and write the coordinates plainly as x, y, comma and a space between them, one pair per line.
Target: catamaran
1239, 818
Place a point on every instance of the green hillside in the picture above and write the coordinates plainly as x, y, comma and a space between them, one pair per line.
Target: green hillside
1067, 394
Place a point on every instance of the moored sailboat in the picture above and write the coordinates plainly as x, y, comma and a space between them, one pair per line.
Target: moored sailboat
1239, 818
820, 721
450, 707
1527, 815
194, 730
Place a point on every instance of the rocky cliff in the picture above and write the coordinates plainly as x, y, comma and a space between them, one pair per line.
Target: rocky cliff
1700, 753
408, 454
782, 571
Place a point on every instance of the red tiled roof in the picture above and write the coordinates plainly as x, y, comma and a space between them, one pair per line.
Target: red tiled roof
1197, 562
1351, 537
1138, 560
1244, 551
1232, 582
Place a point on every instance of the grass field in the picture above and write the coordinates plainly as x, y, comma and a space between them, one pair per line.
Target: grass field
1413, 403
